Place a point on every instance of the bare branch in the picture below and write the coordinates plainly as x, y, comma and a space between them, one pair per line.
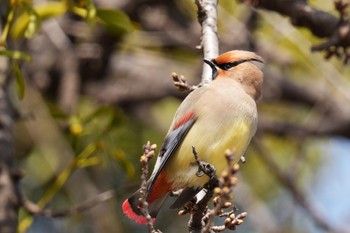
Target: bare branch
320, 23
34, 209
223, 199
148, 153
207, 17
181, 83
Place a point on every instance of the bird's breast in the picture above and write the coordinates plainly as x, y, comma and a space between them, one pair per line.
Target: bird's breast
226, 118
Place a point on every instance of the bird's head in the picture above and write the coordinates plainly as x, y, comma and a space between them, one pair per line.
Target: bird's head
243, 66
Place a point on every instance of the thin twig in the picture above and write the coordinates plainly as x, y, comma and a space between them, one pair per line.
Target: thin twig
148, 153
223, 200
181, 83
35, 209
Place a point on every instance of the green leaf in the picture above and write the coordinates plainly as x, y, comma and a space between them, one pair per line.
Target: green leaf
75, 125
120, 156
91, 12
115, 21
26, 24
20, 83
87, 152
33, 25
88, 162
15, 54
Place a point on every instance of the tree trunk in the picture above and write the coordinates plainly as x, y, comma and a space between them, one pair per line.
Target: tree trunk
8, 194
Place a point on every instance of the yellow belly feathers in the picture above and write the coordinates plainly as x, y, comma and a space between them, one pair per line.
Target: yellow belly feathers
236, 137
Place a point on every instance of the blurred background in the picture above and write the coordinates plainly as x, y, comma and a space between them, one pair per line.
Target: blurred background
99, 86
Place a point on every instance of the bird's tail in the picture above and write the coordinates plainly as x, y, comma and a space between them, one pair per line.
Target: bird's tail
156, 196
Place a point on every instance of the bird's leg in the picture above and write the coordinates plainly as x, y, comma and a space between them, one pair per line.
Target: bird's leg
200, 208
203, 167
207, 169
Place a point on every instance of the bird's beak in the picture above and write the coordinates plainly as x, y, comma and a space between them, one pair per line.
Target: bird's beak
213, 67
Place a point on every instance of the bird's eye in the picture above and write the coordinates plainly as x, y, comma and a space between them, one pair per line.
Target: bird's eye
228, 66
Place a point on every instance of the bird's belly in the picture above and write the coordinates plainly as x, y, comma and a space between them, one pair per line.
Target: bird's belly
210, 145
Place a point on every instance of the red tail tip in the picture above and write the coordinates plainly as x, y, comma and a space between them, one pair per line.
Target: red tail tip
128, 211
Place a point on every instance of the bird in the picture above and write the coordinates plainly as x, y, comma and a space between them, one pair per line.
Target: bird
213, 118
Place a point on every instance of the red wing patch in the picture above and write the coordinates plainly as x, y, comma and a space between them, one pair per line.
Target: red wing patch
184, 119
160, 188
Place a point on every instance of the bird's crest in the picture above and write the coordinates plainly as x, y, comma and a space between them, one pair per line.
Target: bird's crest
232, 58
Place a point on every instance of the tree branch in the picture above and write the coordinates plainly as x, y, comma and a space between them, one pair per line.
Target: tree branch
207, 17
34, 209
148, 153
320, 23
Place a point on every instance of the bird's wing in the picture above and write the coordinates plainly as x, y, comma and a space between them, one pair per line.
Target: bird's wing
158, 187
171, 143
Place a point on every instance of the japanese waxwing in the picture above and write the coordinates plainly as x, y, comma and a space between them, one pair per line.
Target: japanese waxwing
213, 118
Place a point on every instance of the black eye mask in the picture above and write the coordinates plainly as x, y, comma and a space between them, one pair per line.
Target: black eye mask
229, 65
225, 66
